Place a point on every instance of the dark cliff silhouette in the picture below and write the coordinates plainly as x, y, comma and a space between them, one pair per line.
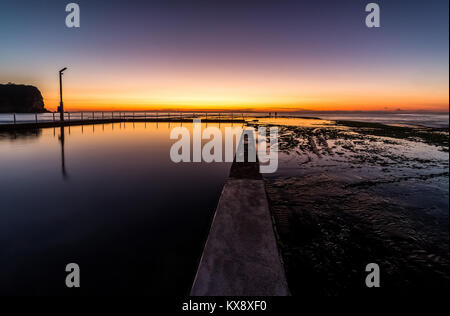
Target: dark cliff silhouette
20, 99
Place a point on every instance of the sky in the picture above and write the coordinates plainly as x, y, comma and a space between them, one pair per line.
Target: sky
230, 55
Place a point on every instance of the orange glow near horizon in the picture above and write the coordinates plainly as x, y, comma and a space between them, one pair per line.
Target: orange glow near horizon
248, 94
257, 97
247, 87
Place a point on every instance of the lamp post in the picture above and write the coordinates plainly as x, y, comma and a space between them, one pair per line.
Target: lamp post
61, 105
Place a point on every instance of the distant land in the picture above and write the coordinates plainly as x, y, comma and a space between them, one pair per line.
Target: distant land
18, 98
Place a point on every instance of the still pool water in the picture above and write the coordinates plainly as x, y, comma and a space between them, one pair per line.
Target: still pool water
108, 198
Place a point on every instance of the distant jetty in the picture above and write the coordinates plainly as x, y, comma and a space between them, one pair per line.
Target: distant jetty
18, 98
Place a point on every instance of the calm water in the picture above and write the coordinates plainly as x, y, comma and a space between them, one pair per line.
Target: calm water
439, 120
107, 198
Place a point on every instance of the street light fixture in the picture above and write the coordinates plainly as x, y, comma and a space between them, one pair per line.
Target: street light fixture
61, 105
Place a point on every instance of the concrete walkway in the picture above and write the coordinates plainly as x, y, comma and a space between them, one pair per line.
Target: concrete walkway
241, 256
34, 125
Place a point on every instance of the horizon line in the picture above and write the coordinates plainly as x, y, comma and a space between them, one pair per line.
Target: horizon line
202, 110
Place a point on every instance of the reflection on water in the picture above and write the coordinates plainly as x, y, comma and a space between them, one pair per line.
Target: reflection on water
133, 220
295, 121
63, 158
20, 134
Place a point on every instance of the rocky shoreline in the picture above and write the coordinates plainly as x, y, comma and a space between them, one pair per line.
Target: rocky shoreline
350, 193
